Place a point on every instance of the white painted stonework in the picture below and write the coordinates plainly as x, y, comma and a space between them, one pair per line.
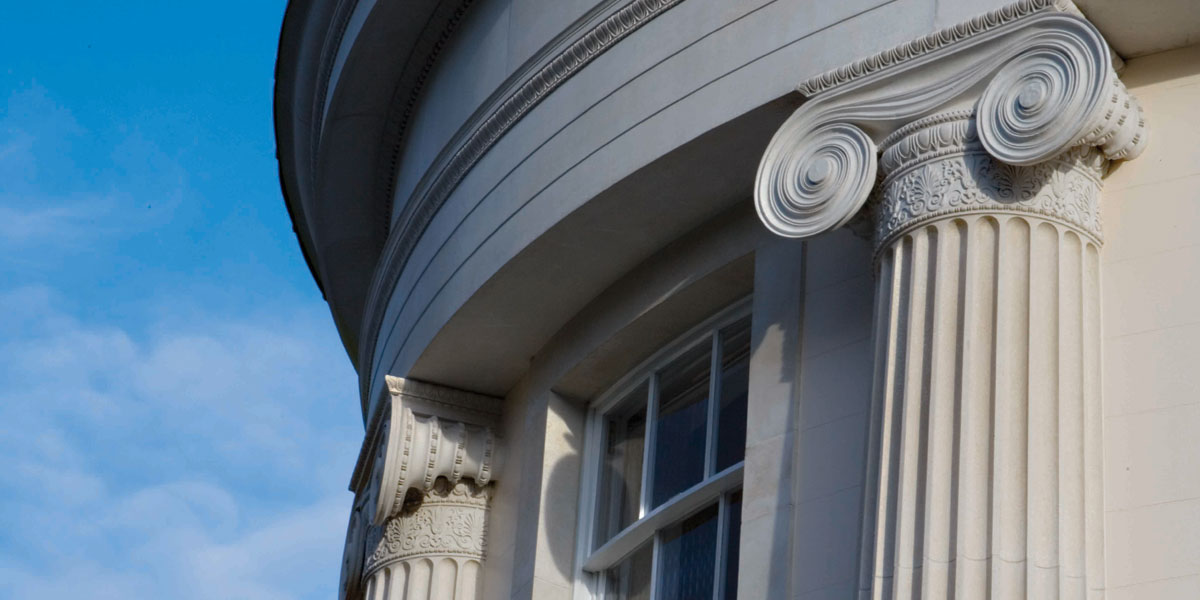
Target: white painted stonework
985, 469
987, 386
968, 266
434, 548
423, 489
416, 447
1049, 86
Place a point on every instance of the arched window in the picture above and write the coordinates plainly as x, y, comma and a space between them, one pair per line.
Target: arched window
665, 473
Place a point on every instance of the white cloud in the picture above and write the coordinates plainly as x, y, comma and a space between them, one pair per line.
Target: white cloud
284, 550
289, 555
50, 203
193, 453
197, 459
19, 227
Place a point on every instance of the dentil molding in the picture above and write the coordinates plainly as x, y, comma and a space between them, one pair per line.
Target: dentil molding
1038, 77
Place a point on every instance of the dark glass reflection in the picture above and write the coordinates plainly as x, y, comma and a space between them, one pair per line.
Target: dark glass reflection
735, 378
733, 525
679, 446
687, 557
618, 503
630, 580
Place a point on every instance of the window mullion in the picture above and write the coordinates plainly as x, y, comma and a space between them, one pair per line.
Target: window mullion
598, 426
648, 446
719, 561
682, 362
673, 510
613, 522
655, 567
591, 585
714, 386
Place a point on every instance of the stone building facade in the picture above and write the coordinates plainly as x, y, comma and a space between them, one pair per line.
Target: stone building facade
680, 299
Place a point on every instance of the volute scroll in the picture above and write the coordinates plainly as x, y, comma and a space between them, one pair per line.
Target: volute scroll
1060, 94
817, 180
1038, 77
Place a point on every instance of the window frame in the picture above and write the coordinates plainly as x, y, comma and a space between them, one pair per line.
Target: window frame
716, 487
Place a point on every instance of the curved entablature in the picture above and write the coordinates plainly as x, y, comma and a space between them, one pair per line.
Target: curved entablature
528, 86
1040, 82
350, 78
341, 114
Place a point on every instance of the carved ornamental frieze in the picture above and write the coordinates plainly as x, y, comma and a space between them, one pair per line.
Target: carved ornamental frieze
937, 167
449, 520
423, 485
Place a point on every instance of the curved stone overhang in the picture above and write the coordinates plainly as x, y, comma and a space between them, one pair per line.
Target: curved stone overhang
347, 80
349, 76
432, 345
295, 77
343, 102
340, 136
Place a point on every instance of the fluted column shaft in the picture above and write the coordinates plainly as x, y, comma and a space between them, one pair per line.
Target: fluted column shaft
986, 442
433, 549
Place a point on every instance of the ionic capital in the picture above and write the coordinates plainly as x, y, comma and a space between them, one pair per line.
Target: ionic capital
1037, 76
423, 490
421, 485
421, 432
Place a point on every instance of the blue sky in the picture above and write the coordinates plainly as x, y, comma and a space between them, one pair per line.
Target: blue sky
177, 416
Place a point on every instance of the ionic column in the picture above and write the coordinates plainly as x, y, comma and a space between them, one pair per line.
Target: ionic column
987, 391
984, 146
423, 486
433, 549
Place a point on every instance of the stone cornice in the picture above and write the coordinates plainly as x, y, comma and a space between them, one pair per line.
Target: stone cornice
405, 100
1040, 82
484, 131
340, 58
327, 57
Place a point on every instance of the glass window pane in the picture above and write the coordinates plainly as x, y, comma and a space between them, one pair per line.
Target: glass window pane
679, 445
735, 381
733, 525
687, 557
618, 504
630, 580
